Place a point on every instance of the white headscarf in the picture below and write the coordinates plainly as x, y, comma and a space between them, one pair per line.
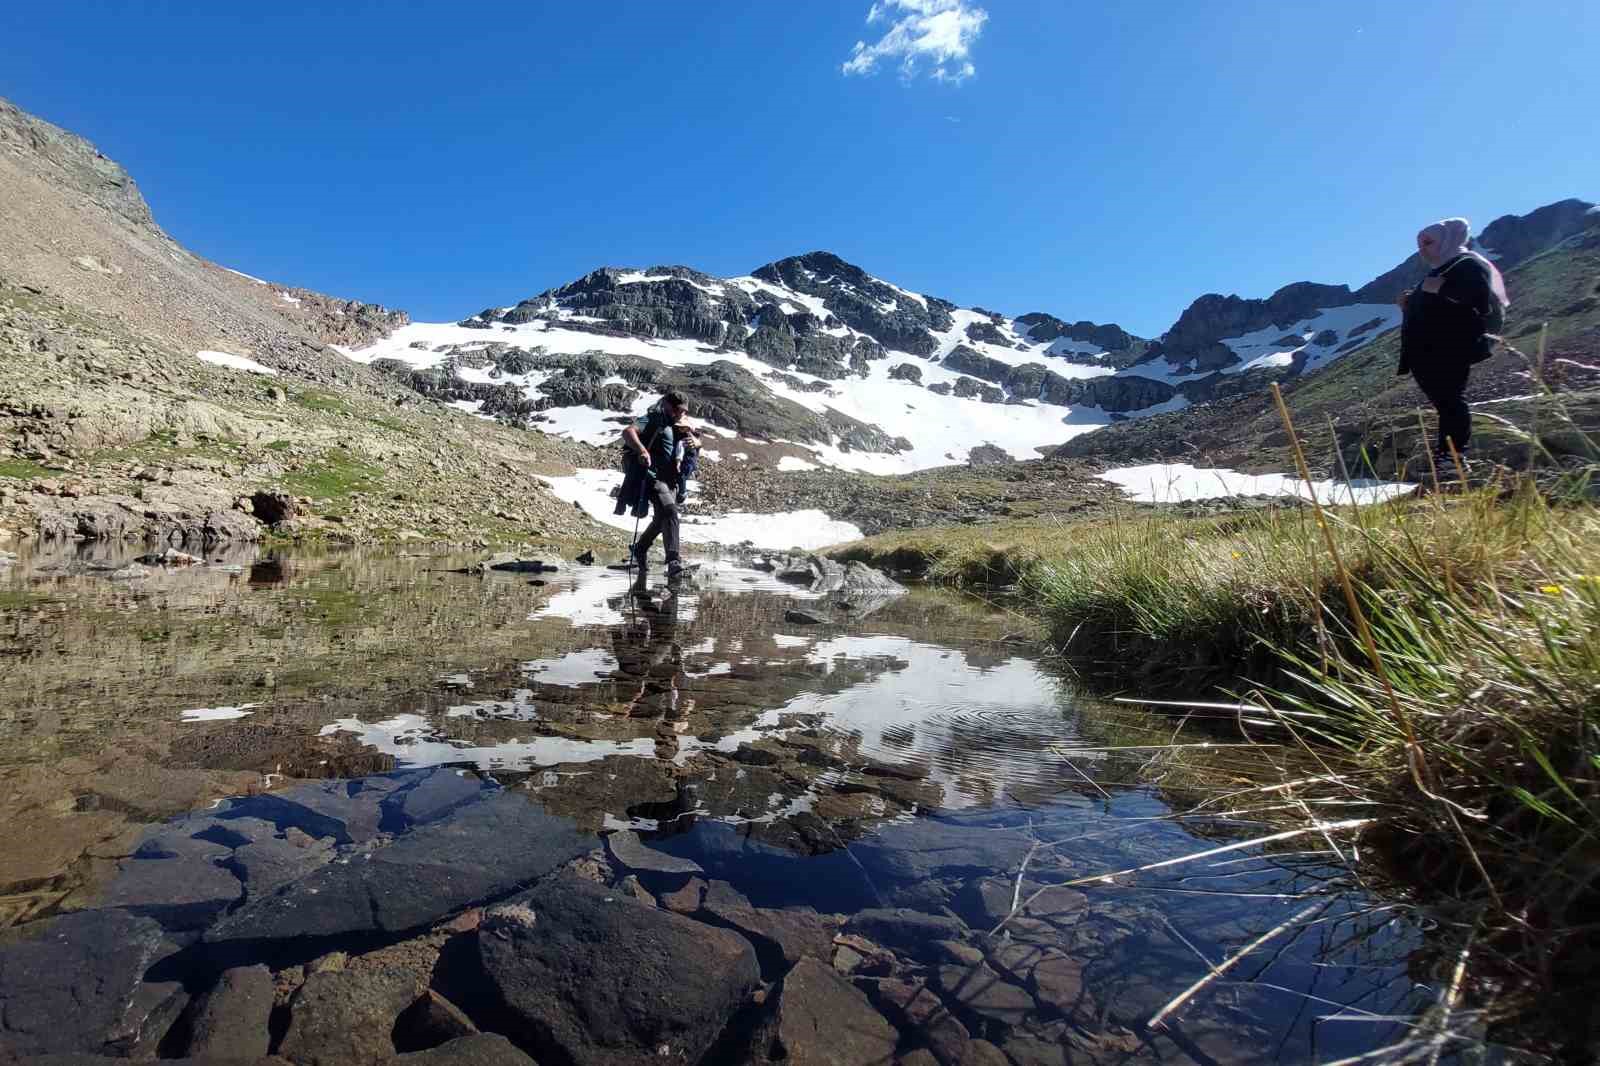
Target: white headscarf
1450, 239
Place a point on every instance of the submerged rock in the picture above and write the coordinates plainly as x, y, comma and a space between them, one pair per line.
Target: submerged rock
486, 850
821, 1019
590, 975
631, 852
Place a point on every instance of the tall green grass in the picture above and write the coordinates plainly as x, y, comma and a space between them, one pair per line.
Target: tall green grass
1468, 727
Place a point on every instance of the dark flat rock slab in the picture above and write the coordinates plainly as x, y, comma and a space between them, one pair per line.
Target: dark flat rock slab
439, 793
589, 975
268, 865
928, 847
484, 851
76, 985
181, 894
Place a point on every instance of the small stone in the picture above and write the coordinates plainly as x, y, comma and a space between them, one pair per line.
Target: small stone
430, 1021
685, 900
465, 922
983, 1053
630, 886
955, 951
627, 848
980, 989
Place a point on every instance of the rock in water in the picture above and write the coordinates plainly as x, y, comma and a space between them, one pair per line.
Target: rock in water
592, 976
586, 559
483, 851
631, 852
821, 1019
78, 987
802, 618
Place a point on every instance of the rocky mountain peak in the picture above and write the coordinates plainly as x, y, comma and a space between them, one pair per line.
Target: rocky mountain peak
72, 162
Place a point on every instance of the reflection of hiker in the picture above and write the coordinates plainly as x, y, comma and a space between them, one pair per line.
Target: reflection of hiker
1449, 320
651, 443
650, 654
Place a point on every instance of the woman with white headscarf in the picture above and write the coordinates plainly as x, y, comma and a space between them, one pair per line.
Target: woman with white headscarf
1450, 323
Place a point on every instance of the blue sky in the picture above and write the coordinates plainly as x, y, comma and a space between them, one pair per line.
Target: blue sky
1091, 160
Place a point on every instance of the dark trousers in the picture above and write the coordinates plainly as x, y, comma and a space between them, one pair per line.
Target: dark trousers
1445, 386
664, 504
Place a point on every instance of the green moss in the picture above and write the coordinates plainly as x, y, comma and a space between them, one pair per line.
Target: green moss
318, 400
280, 445
22, 470
336, 475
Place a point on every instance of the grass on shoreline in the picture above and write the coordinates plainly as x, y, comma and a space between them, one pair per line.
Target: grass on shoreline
1473, 742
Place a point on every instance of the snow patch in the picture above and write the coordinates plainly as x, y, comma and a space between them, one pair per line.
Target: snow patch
235, 362
218, 714
1175, 482
807, 529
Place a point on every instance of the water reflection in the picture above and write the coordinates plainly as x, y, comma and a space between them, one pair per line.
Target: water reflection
910, 758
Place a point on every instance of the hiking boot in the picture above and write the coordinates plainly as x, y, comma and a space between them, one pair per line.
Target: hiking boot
675, 568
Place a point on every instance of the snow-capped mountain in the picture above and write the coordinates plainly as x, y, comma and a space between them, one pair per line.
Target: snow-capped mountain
852, 371
829, 365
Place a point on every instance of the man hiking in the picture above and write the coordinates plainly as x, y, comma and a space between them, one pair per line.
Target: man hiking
653, 442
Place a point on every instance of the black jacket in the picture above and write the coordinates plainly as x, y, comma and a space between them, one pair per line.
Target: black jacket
661, 441
1451, 326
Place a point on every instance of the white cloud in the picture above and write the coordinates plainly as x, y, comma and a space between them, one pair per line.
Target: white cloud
934, 34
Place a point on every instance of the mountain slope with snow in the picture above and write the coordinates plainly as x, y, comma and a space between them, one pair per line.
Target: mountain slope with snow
811, 353
812, 359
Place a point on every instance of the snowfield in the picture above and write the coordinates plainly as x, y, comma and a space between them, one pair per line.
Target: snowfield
1176, 482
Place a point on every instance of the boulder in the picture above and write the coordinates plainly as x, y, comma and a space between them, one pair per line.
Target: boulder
231, 1021
346, 1016
821, 1019
487, 850
273, 508
586, 974
965, 360
906, 372
77, 985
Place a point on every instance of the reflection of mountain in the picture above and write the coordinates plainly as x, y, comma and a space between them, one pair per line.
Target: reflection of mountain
734, 720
